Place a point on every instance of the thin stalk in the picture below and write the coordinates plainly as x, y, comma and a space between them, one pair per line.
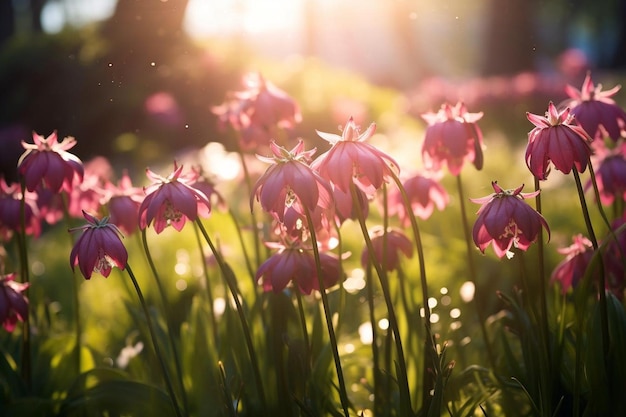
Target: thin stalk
403, 383
473, 276
305, 332
227, 274
604, 318
343, 395
25, 277
375, 353
244, 250
255, 229
209, 291
157, 349
168, 323
76, 281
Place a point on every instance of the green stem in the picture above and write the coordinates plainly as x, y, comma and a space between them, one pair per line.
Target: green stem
255, 229
209, 291
403, 383
157, 350
378, 406
604, 319
228, 276
473, 276
25, 277
343, 395
168, 320
305, 332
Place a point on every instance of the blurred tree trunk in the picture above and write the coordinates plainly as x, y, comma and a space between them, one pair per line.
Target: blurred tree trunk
143, 20
7, 21
509, 37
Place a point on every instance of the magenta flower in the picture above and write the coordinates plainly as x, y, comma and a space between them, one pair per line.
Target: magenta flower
506, 221
13, 303
290, 183
452, 136
397, 243
257, 112
11, 211
171, 200
99, 248
577, 257
48, 162
350, 160
610, 176
556, 138
123, 202
595, 110
424, 194
293, 263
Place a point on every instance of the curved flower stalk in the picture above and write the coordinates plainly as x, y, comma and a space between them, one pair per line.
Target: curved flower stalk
47, 161
98, 249
505, 221
453, 137
558, 139
595, 110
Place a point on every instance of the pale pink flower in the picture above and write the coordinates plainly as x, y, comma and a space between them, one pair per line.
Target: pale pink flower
453, 137
424, 193
387, 253
123, 201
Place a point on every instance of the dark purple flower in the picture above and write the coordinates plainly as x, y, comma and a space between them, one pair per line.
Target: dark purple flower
47, 161
293, 263
351, 160
99, 247
290, 183
171, 200
506, 221
595, 110
558, 139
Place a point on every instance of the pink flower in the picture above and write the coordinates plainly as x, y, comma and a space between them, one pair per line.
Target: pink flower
595, 110
11, 211
123, 202
290, 183
505, 221
345, 208
258, 111
49, 162
171, 200
99, 248
453, 137
294, 263
558, 139
577, 257
351, 160
424, 194
13, 303
397, 243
